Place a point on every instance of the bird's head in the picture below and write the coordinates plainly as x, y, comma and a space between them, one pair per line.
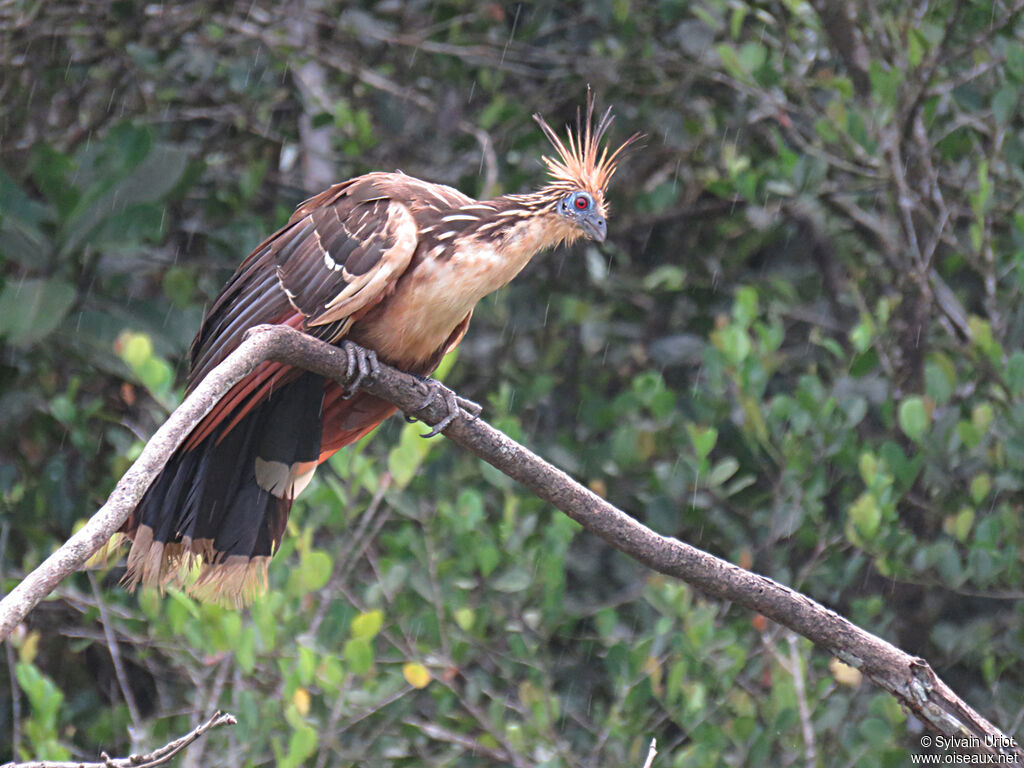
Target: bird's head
581, 172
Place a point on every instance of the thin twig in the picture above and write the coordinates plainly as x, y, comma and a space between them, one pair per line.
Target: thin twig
195, 757
154, 758
344, 558
652, 751
362, 539
436, 598
5, 531
470, 745
15, 701
136, 729
807, 728
483, 719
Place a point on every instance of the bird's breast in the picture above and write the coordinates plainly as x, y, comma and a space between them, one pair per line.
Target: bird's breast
429, 301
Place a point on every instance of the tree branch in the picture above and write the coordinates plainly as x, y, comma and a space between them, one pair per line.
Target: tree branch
908, 678
652, 752
154, 758
839, 20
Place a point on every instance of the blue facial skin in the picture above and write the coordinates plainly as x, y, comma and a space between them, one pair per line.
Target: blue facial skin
580, 209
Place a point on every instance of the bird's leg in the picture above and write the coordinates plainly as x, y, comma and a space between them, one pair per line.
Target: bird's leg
452, 403
362, 365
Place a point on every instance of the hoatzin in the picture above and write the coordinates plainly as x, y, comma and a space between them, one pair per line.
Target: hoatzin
390, 263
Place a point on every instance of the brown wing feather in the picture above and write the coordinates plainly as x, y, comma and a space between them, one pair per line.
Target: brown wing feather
338, 256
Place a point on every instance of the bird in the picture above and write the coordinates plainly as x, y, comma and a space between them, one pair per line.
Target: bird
385, 265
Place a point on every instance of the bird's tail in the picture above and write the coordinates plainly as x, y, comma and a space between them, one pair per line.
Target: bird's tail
214, 517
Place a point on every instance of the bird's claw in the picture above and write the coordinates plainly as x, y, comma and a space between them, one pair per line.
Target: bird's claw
362, 366
453, 406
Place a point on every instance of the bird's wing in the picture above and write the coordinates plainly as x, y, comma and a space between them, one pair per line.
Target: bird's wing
338, 256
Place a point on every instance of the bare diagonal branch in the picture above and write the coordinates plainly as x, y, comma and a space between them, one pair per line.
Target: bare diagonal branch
910, 679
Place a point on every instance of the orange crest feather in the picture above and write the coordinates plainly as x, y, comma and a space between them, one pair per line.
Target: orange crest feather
582, 163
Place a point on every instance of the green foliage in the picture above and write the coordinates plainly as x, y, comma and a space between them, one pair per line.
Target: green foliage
799, 349
45, 700
31, 309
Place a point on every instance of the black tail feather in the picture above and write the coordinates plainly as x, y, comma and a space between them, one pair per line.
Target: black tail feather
207, 507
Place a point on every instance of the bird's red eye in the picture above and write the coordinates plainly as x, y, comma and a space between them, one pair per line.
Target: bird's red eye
582, 203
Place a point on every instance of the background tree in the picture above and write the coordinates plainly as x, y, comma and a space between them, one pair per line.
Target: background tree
803, 331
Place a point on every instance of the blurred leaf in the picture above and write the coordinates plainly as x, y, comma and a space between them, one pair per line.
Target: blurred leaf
1004, 103
703, 439
135, 174
866, 516
668, 277
914, 418
179, 285
416, 674
404, 460
959, 526
301, 700
51, 171
1015, 60
21, 220
313, 573
358, 652
465, 618
135, 348
301, 745
722, 471
32, 308
367, 625
734, 343
28, 647
512, 580
1015, 372
939, 381
752, 57
487, 558
981, 485
844, 674
885, 82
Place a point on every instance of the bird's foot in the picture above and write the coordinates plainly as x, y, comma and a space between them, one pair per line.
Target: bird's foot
362, 366
453, 405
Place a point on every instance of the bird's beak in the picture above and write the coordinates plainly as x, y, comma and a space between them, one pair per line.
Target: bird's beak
594, 227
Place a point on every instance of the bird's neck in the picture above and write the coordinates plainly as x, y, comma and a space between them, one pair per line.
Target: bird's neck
486, 244
525, 224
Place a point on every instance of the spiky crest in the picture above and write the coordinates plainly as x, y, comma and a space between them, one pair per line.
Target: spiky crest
582, 163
